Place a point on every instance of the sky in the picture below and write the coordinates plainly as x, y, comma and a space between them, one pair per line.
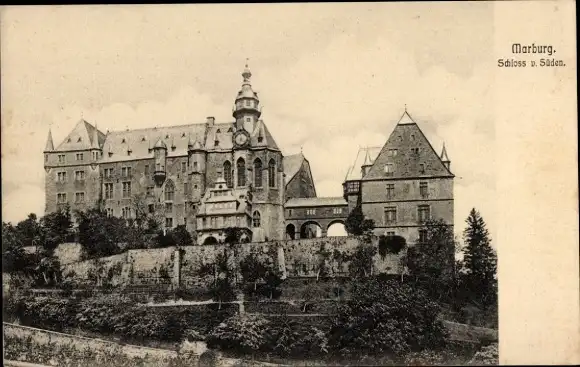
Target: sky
331, 78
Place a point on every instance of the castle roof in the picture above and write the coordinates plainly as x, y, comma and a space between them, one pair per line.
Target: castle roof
49, 143
315, 202
261, 137
292, 164
81, 137
409, 153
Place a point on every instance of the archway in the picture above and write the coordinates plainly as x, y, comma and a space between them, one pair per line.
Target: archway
290, 232
310, 230
336, 229
210, 241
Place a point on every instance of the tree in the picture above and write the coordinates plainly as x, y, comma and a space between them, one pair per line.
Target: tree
361, 261
49, 267
356, 224
252, 270
431, 263
480, 261
56, 228
242, 333
385, 316
221, 287
234, 235
273, 279
29, 230
100, 234
14, 257
181, 236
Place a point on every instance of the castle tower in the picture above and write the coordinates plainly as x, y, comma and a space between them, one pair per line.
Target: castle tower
197, 168
367, 164
246, 109
160, 157
445, 158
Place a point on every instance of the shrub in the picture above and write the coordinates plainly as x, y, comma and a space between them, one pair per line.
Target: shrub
488, 355
385, 316
240, 333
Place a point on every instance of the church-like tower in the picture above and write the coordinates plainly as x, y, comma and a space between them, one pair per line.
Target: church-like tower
247, 109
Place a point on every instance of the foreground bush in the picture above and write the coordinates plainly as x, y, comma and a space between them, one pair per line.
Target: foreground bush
240, 333
386, 317
488, 355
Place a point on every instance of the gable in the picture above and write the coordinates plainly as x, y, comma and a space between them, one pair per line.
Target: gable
79, 138
406, 151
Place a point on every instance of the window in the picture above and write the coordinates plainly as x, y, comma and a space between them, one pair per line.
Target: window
146, 169
126, 212
79, 197
79, 175
228, 173
61, 158
390, 191
61, 176
392, 152
289, 212
151, 208
247, 102
186, 188
216, 143
169, 191
389, 169
46, 157
108, 191
390, 215
424, 189
337, 210
95, 156
412, 137
352, 186
109, 212
421, 168
272, 173
256, 219
108, 172
195, 166
260, 139
61, 198
258, 173
149, 191
415, 150
168, 207
80, 156
422, 235
126, 171
310, 211
241, 172
183, 166
248, 119
424, 213
129, 151
126, 189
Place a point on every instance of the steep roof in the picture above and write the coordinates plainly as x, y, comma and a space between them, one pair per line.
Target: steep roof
406, 150
313, 202
261, 137
292, 164
354, 171
141, 140
49, 143
81, 137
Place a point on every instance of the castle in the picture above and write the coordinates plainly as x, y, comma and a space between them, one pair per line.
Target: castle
211, 176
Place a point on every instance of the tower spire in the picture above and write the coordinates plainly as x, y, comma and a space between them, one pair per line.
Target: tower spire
445, 158
95, 143
49, 143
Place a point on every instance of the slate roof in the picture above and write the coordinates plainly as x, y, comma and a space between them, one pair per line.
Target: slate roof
315, 202
413, 150
81, 137
292, 164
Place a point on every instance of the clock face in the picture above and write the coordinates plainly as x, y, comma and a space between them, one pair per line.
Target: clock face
241, 138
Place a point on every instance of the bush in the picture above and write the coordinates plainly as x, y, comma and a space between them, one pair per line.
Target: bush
488, 355
240, 333
386, 317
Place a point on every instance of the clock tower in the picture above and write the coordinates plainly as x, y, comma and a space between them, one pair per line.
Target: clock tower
247, 108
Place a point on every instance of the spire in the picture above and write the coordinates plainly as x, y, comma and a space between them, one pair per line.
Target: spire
95, 143
368, 161
247, 74
49, 143
444, 157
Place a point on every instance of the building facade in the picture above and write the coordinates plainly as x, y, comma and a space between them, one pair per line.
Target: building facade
211, 176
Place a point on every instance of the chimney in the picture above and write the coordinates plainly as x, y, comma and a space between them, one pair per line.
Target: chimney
210, 120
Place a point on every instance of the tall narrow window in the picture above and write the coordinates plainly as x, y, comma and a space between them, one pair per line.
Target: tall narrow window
258, 173
241, 172
108, 191
183, 166
272, 173
390, 215
424, 189
256, 219
424, 213
390, 191
228, 173
126, 189
169, 191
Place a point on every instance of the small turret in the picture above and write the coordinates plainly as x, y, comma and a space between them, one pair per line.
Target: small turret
246, 108
367, 164
160, 156
445, 158
49, 143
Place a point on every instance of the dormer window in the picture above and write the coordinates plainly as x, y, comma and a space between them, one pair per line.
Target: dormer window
129, 152
173, 148
167, 136
110, 154
230, 130
123, 141
216, 143
260, 138
79, 140
68, 140
218, 131
183, 135
143, 139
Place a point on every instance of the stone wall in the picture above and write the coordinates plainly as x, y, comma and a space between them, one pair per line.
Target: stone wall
327, 256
